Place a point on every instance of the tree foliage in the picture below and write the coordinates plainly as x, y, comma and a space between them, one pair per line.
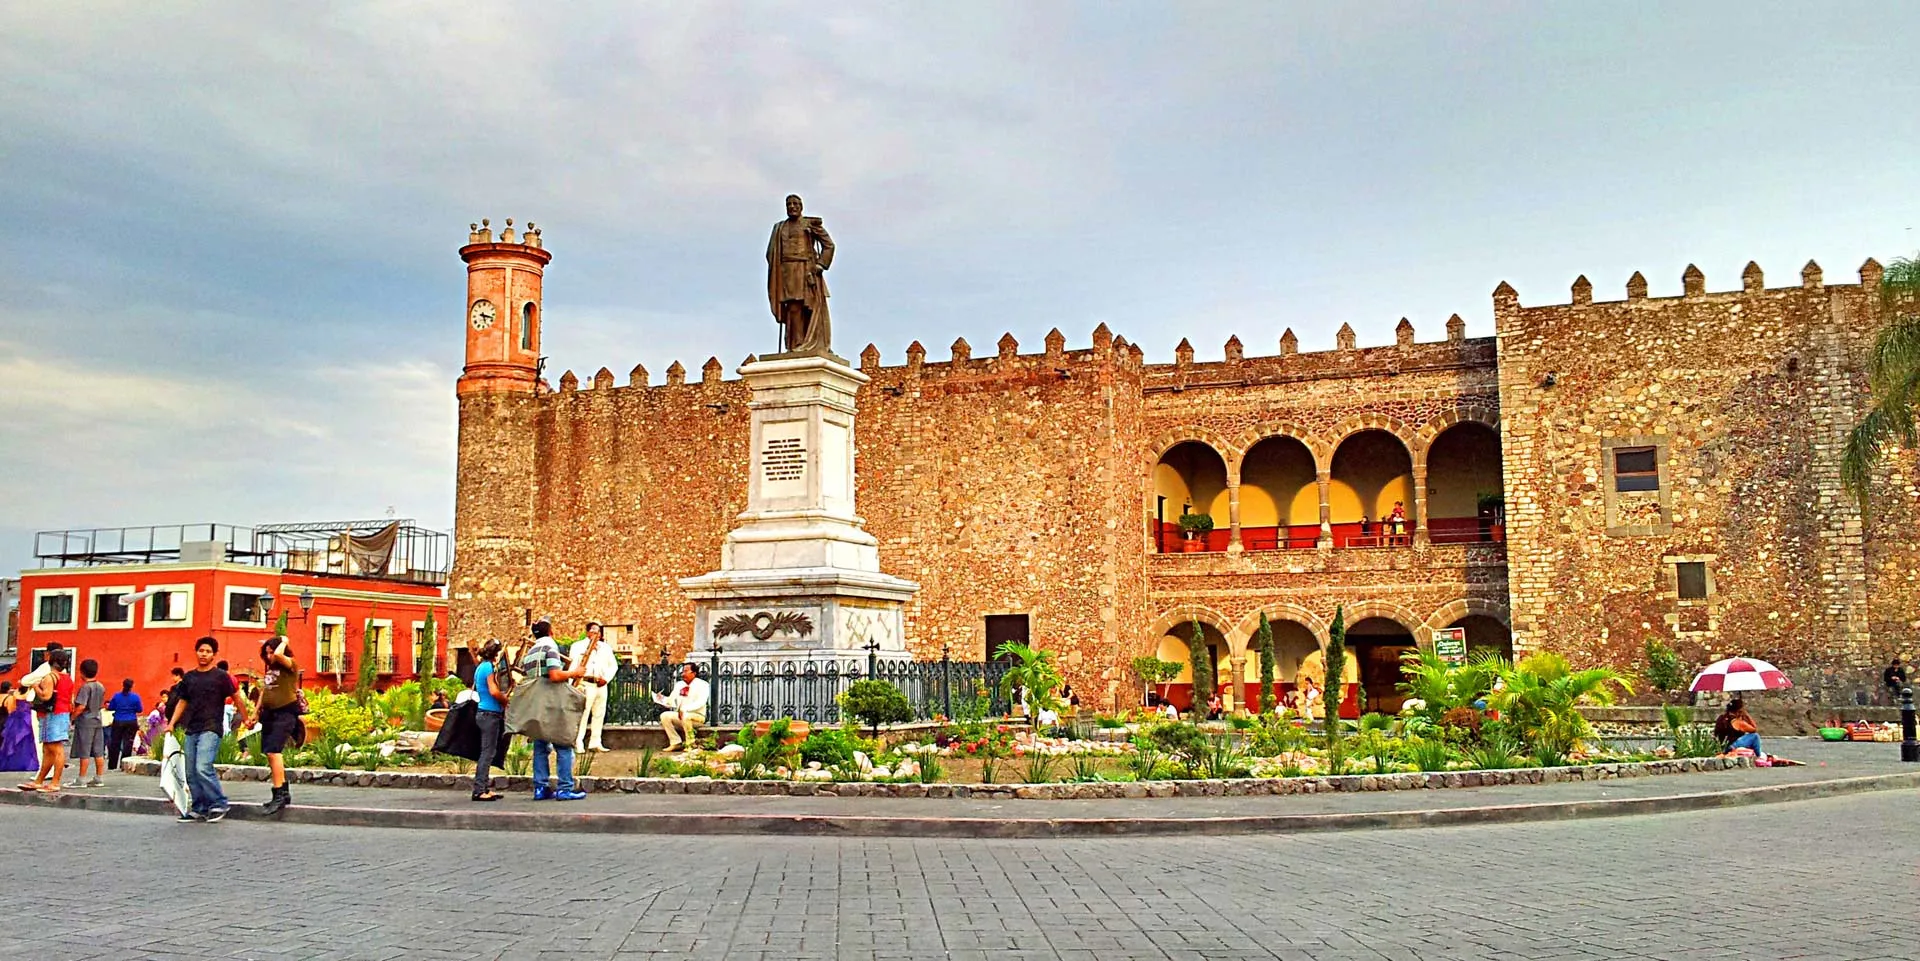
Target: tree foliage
1665, 671
1263, 642
1201, 656
875, 702
1542, 694
363, 686
1893, 375
1335, 690
1033, 671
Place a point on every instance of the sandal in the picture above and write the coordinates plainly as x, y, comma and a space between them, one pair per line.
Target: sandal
489, 796
30, 786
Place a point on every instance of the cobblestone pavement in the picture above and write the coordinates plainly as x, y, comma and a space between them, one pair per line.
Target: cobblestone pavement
1832, 879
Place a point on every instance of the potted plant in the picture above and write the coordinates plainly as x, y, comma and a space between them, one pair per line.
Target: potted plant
1195, 527
1493, 514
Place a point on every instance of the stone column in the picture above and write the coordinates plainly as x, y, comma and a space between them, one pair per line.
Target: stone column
1233, 516
1325, 480
1238, 666
1420, 509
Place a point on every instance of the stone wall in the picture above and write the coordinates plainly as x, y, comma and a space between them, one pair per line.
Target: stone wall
1747, 398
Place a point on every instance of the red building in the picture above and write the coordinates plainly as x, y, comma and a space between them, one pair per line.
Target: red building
136, 599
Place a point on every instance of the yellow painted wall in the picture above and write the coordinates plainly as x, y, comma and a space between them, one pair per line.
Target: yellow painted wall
1194, 474
1462, 462
1278, 472
1371, 470
1175, 650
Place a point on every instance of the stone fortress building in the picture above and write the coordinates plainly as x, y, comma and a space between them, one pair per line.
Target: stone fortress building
1599, 473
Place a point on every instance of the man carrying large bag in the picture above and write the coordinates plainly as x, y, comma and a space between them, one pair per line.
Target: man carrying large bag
547, 709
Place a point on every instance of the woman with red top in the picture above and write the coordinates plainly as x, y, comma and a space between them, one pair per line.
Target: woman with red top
55, 691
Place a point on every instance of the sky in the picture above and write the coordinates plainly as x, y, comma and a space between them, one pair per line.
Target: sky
229, 287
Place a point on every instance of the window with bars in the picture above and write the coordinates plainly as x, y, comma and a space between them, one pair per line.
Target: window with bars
166, 606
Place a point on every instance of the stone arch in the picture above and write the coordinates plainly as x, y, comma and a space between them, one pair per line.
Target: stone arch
1199, 435
1207, 486
1465, 607
1369, 421
1314, 443
1176, 616
1432, 429
1280, 611
1399, 614
1370, 468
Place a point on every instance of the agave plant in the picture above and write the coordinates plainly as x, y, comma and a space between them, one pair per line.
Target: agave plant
1542, 696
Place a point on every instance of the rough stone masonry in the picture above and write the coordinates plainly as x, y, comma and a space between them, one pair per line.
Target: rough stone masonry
1597, 474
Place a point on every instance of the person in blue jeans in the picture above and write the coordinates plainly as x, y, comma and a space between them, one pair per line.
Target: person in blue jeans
199, 710
1735, 729
544, 659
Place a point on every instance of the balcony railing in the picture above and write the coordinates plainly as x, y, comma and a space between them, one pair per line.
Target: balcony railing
1355, 535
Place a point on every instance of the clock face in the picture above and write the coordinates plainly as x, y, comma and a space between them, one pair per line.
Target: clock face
482, 316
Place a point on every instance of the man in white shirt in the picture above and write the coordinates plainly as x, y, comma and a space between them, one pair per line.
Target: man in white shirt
597, 670
686, 708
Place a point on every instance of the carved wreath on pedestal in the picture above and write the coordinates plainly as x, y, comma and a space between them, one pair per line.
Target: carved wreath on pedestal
764, 625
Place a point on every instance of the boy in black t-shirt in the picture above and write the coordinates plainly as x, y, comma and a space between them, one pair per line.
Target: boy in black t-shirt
201, 705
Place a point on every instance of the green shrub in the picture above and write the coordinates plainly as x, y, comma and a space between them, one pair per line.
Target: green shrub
1688, 739
1086, 767
874, 703
1429, 754
1665, 671
519, 757
828, 746
1184, 743
1275, 737
765, 752
931, 770
1145, 759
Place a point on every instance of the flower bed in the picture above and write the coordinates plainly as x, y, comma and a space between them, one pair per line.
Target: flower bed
1238, 787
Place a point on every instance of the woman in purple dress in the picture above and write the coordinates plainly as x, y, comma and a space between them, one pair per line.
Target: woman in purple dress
16, 732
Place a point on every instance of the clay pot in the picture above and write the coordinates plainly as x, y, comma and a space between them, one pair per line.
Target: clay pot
435, 718
796, 731
1192, 545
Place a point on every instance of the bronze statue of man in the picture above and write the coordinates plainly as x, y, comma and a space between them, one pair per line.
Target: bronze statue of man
798, 255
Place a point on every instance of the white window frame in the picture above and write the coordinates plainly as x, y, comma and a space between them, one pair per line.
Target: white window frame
226, 605
414, 645
381, 659
184, 620
320, 625
93, 609
71, 592
73, 658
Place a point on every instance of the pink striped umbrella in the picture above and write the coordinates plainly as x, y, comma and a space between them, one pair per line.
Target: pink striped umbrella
1740, 674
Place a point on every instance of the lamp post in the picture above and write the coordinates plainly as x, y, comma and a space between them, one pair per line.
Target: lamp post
1909, 748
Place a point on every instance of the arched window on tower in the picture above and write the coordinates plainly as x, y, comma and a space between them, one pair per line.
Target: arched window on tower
529, 314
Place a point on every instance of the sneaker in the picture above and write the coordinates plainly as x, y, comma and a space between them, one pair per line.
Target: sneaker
543, 794
216, 814
96, 782
190, 817
569, 795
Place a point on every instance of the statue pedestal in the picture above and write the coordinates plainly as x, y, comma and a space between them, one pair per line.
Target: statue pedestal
799, 576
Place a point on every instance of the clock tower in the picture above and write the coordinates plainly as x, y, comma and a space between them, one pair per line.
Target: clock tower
502, 309
499, 395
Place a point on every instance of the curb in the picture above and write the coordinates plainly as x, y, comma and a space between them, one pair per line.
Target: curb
1056, 791
828, 825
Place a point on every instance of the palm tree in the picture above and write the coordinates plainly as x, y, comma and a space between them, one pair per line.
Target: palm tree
1543, 695
1428, 677
1893, 373
1033, 671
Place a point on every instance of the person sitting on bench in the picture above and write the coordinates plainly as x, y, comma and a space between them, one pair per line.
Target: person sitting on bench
686, 708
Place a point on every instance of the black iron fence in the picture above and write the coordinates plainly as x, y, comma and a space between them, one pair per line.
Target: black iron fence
808, 689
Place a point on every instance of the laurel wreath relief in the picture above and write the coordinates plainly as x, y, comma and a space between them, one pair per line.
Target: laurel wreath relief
764, 625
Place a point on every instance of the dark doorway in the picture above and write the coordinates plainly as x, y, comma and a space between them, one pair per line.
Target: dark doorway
1378, 645
1004, 629
463, 665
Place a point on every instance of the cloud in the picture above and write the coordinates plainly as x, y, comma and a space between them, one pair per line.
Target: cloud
228, 283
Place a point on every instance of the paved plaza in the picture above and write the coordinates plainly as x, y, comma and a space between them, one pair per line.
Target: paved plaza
1831, 879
